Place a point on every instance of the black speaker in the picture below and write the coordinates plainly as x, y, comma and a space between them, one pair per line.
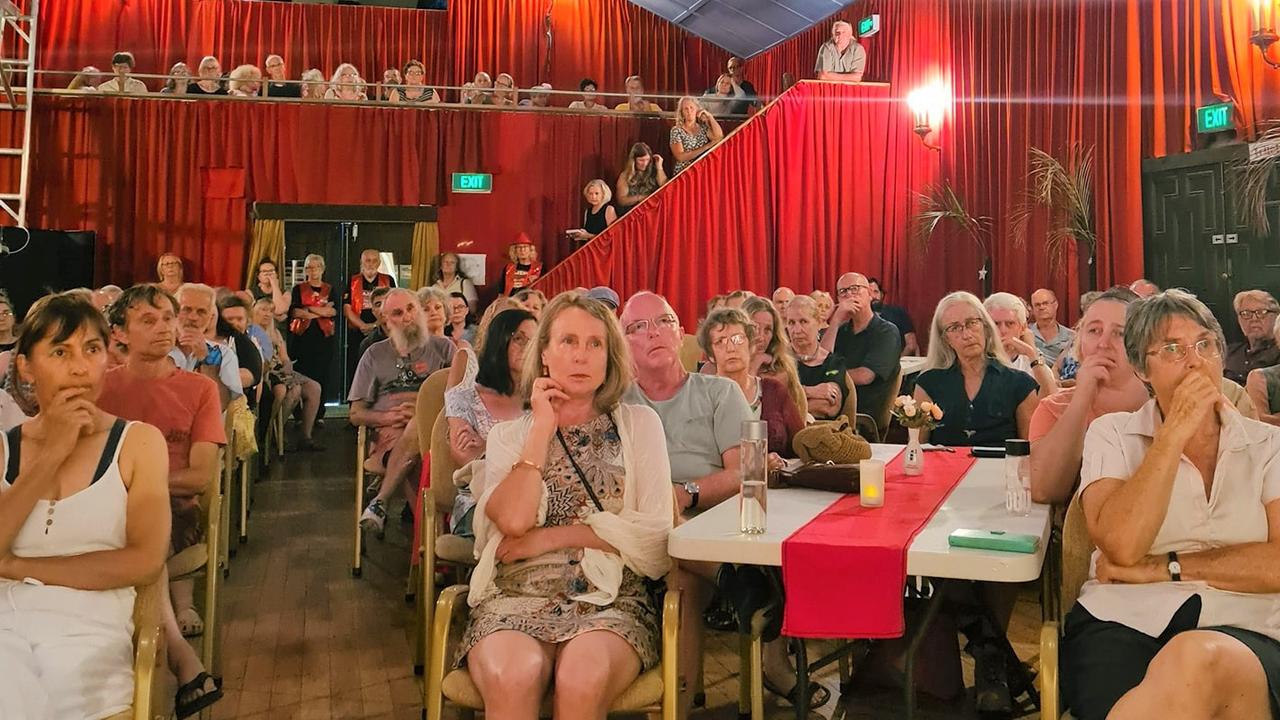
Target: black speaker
36, 262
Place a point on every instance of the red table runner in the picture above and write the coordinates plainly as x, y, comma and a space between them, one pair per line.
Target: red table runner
845, 570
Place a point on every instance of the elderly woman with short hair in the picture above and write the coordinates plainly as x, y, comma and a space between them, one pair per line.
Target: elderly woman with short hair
823, 373
313, 84
1182, 500
1009, 314
346, 84
435, 309
984, 399
598, 216
245, 81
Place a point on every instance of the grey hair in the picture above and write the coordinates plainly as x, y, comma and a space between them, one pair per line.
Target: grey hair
941, 355
1261, 296
1007, 301
723, 318
313, 256
842, 23
202, 289
1146, 315
428, 293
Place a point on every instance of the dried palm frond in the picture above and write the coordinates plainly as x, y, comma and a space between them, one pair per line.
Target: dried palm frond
1251, 177
941, 203
1065, 192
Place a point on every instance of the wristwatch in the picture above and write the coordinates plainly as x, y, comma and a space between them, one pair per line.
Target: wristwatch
1037, 362
692, 489
1175, 567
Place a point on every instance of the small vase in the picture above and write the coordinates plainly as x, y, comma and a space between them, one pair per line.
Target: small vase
913, 460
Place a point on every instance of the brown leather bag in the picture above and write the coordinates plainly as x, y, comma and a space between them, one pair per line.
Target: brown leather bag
831, 477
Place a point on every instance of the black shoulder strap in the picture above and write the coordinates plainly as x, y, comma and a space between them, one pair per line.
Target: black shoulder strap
15, 453
109, 451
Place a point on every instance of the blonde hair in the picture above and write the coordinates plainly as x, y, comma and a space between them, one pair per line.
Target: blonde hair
687, 99
175, 256
604, 188
779, 348
941, 354
502, 302
617, 378
242, 75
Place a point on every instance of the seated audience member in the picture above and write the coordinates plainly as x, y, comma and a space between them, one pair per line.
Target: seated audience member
461, 327
504, 90
598, 216
357, 301
278, 84
1263, 386
435, 310
728, 337
532, 300
869, 344
449, 278
209, 82
468, 94
606, 296
346, 84
390, 86
984, 400
267, 285
74, 540
197, 350
184, 406
287, 385
1051, 338
102, 299
1256, 311
823, 373
1105, 383
379, 332
490, 396
233, 331
737, 299
483, 89
523, 268
178, 80
723, 99
121, 65
825, 305
313, 84
8, 322
696, 132
170, 272
842, 58
245, 81
86, 80
635, 97
641, 177
771, 354
1143, 287
539, 96
414, 89
384, 392
589, 97
1181, 499
565, 594
1009, 314
782, 297
896, 315
749, 97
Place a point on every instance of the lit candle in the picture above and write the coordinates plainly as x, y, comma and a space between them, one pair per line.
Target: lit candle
871, 481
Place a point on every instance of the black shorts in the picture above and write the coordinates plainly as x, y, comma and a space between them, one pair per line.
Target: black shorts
1101, 660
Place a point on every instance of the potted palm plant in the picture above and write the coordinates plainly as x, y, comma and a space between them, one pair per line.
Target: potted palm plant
1064, 191
941, 205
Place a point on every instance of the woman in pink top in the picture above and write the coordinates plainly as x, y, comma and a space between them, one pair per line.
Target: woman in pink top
1105, 383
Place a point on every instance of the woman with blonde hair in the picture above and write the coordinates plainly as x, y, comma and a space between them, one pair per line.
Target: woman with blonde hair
170, 270
598, 216
641, 177
723, 99
771, 355
179, 77
695, 133
575, 505
313, 85
346, 84
245, 81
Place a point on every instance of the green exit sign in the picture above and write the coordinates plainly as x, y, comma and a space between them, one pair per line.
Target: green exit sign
868, 26
472, 182
1214, 118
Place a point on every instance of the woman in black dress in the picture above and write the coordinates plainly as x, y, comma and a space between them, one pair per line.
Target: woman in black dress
311, 324
598, 215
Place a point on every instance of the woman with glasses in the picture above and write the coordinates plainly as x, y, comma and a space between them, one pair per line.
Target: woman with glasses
984, 400
1182, 500
504, 90
414, 89
823, 373
8, 324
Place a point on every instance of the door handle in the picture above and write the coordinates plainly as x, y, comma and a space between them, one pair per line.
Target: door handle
1219, 239
1226, 276
1232, 238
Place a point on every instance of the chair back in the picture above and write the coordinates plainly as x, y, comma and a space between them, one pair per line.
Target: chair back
690, 353
1077, 548
850, 407
442, 466
430, 402
882, 413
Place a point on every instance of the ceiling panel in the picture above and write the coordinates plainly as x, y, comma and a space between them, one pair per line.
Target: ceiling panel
744, 27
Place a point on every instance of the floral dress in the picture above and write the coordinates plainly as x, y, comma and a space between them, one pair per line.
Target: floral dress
690, 141
534, 595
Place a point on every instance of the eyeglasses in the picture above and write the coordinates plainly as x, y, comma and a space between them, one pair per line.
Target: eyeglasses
668, 322
1207, 349
735, 339
956, 328
6, 313
850, 290
1255, 314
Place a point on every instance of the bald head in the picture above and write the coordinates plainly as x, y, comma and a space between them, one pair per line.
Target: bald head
782, 297
1044, 306
653, 334
853, 299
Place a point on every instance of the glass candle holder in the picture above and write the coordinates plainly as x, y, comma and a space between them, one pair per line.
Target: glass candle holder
871, 483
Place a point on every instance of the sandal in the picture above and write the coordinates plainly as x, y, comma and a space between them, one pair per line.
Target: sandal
818, 694
189, 622
194, 703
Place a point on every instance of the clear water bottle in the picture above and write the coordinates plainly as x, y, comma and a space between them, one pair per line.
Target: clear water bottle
754, 453
1017, 477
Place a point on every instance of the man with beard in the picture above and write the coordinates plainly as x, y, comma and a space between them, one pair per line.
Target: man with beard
197, 351
383, 395
184, 406
895, 314
357, 303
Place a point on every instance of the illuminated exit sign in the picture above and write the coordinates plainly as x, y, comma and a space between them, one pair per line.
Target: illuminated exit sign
472, 182
1214, 118
868, 26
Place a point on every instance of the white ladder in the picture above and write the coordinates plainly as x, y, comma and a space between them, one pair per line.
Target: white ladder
17, 84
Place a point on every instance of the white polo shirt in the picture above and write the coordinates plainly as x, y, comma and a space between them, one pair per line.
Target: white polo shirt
1246, 478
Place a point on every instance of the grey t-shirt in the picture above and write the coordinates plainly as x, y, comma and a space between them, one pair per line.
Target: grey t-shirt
701, 422
385, 379
830, 59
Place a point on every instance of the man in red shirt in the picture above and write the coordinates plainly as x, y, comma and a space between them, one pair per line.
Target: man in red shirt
185, 407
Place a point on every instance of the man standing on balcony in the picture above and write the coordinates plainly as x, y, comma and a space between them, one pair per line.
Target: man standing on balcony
842, 58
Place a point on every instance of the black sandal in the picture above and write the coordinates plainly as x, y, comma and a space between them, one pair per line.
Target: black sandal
818, 694
201, 701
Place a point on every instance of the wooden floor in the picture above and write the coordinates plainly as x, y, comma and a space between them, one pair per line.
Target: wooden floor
303, 639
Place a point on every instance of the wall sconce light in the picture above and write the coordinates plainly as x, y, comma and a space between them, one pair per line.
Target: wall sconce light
927, 105
1263, 37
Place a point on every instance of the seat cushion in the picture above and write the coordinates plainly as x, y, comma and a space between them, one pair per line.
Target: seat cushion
455, 549
188, 561
644, 693
123, 715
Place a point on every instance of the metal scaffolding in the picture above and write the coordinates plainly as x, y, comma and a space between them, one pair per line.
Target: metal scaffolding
17, 82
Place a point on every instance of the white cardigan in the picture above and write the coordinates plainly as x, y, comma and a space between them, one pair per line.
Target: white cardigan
639, 532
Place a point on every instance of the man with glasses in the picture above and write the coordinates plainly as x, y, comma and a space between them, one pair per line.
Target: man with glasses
278, 84
1052, 339
870, 345
1256, 312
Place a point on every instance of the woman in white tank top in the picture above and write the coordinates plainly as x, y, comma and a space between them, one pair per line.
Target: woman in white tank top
84, 517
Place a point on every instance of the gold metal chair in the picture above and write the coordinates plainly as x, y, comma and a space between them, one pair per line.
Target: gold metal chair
202, 560
878, 423
152, 683
850, 408
656, 692
362, 434
226, 479
1076, 551
429, 404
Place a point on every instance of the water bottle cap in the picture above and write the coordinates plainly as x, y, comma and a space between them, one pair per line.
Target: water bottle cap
1017, 448
755, 430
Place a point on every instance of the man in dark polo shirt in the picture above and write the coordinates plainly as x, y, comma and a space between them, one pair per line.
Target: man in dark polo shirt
1256, 312
895, 314
869, 344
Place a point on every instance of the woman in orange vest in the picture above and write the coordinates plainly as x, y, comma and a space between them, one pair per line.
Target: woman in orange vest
311, 322
524, 268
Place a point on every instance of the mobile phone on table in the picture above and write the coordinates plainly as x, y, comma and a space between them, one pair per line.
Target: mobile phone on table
994, 540
986, 452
